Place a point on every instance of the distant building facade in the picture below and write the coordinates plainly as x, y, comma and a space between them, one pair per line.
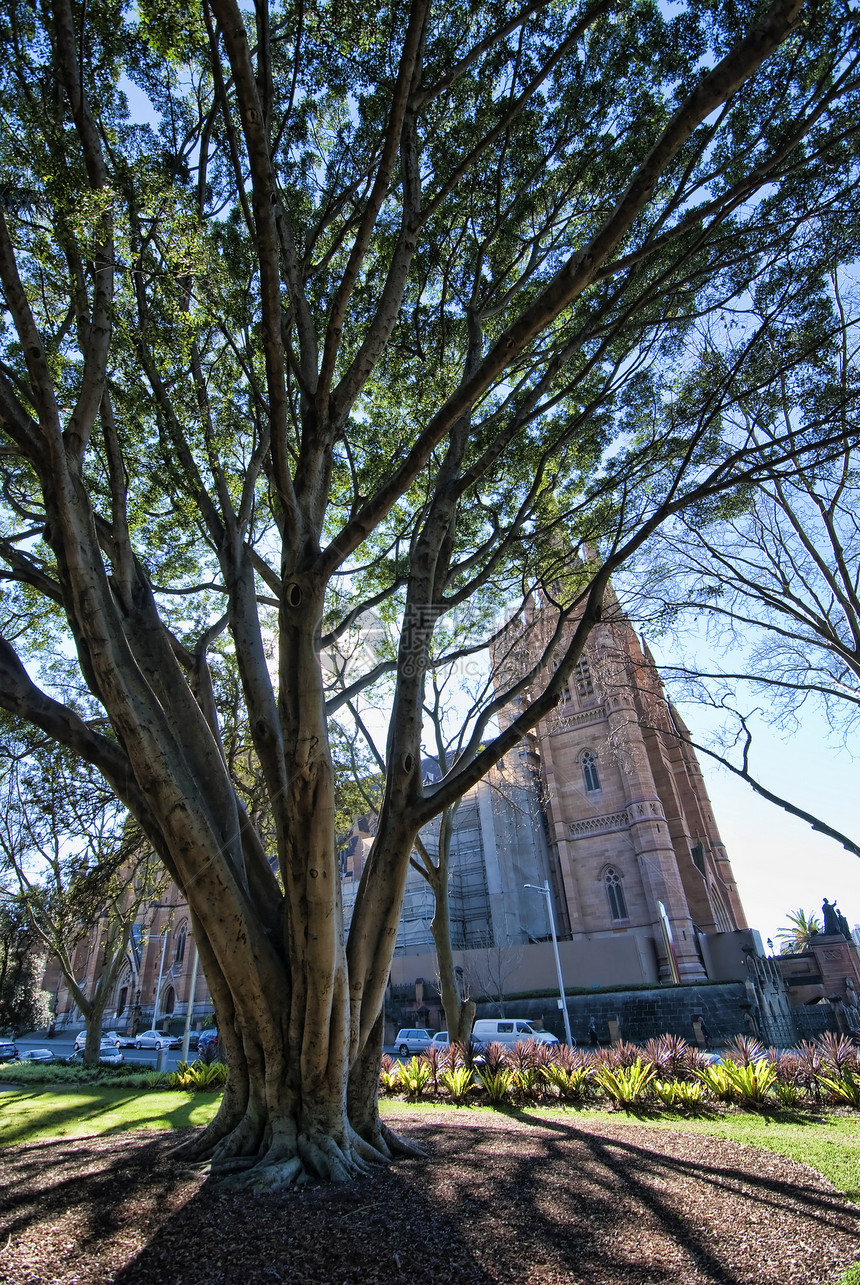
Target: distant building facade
603, 801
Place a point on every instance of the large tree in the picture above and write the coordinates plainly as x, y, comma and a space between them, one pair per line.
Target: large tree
367, 309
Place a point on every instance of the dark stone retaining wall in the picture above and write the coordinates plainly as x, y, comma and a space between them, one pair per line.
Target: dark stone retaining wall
640, 1014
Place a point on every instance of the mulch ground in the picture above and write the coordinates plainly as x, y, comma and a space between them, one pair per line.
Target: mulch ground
496, 1199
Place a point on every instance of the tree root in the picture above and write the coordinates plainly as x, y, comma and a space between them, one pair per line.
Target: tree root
264, 1178
242, 1142
201, 1146
399, 1146
328, 1160
234, 1164
375, 1152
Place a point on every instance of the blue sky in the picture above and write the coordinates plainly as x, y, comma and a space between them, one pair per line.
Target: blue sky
780, 864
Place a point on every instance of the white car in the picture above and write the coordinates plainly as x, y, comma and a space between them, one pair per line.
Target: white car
156, 1040
107, 1038
412, 1040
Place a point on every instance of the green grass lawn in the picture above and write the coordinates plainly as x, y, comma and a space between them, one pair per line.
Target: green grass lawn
33, 1115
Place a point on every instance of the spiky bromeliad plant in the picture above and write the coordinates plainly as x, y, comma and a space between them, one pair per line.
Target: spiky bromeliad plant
459, 1081
415, 1075
626, 1086
497, 1084
569, 1083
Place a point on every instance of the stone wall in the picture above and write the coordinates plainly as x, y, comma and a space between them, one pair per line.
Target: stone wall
639, 1014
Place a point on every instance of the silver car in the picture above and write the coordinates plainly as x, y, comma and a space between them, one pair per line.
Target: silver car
412, 1040
106, 1038
156, 1040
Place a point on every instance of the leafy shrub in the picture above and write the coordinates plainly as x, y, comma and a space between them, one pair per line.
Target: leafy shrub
622, 1054
809, 1065
199, 1076
544, 1054
458, 1080
527, 1082
155, 1080
787, 1066
626, 1085
751, 1081
389, 1075
570, 1083
522, 1056
844, 1088
434, 1058
716, 1079
497, 1084
745, 1050
695, 1060
668, 1056
495, 1056
837, 1053
570, 1059
680, 1095
415, 1075
787, 1093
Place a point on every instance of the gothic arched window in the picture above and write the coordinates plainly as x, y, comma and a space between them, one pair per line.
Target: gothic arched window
180, 945
589, 771
615, 893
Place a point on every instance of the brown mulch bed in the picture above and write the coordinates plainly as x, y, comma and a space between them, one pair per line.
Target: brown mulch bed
496, 1199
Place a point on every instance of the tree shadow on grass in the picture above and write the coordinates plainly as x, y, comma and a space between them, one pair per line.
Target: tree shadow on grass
35, 1112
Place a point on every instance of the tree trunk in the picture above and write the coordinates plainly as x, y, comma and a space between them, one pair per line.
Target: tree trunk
459, 1011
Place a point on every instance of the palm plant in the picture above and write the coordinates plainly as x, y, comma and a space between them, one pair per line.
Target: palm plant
796, 936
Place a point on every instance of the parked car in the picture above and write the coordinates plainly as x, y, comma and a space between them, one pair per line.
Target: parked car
156, 1040
509, 1030
440, 1041
109, 1055
206, 1038
8, 1052
412, 1040
106, 1037
39, 1055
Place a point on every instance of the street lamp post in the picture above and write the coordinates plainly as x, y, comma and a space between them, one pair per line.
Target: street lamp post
562, 1001
192, 990
160, 976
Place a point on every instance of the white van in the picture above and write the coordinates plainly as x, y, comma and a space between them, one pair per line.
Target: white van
509, 1030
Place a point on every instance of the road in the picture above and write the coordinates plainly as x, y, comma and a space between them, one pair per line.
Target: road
64, 1046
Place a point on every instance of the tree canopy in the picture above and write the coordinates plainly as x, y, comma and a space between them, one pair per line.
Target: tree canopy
309, 311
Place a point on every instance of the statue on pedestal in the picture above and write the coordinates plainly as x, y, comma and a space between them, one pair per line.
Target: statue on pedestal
830, 916
835, 923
